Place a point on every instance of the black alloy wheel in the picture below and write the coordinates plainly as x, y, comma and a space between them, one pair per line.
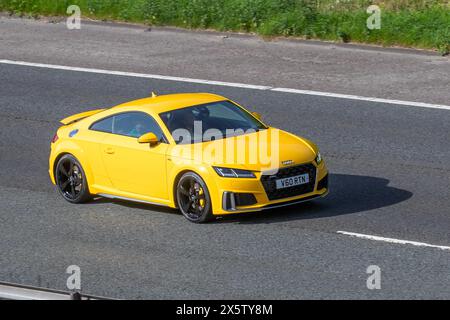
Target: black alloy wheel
71, 180
193, 198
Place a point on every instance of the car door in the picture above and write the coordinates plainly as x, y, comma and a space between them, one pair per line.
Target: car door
91, 143
133, 167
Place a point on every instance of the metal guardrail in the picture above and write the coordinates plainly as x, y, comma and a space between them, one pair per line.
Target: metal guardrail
10, 291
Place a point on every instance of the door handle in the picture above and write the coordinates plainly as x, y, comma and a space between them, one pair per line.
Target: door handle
109, 150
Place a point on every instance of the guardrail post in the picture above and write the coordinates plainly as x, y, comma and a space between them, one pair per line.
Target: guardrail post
75, 296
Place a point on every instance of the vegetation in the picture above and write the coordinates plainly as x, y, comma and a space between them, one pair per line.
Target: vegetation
411, 23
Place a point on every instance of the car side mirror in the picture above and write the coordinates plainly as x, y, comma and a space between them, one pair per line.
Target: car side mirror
150, 138
256, 115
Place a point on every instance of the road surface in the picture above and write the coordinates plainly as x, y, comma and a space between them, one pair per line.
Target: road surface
390, 177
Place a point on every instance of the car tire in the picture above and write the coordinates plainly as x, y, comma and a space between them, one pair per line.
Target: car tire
193, 198
71, 180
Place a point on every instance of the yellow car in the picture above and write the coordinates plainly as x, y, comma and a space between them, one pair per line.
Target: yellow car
199, 152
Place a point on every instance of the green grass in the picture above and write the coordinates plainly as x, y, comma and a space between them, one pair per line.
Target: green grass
411, 23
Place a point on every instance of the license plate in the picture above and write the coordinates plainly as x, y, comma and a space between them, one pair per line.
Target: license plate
292, 181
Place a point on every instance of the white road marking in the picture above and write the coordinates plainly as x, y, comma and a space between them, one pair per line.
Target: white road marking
134, 74
352, 97
392, 240
228, 84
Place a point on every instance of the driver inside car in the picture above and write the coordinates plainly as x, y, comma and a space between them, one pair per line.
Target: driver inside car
138, 130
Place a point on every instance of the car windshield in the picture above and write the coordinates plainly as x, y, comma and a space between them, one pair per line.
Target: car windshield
208, 122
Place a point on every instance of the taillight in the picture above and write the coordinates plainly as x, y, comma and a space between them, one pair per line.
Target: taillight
55, 138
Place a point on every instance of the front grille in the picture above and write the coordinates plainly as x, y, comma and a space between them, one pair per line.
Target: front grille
269, 184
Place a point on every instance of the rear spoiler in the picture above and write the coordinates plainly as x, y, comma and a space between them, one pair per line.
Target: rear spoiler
80, 116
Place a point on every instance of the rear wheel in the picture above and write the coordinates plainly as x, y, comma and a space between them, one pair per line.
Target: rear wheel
193, 198
71, 180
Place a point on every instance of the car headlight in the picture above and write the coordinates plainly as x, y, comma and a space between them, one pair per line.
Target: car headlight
234, 173
318, 158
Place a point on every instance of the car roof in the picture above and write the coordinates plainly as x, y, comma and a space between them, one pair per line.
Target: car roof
163, 103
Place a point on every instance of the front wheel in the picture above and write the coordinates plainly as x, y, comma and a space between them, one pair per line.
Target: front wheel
193, 198
71, 180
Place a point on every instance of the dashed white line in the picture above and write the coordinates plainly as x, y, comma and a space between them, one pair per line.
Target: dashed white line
392, 240
352, 97
228, 84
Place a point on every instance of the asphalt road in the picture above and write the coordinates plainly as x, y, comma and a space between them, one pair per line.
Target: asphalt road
346, 69
390, 177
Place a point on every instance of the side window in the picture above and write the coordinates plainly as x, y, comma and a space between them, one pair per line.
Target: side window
104, 125
135, 124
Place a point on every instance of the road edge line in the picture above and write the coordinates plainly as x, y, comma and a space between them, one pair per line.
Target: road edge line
228, 84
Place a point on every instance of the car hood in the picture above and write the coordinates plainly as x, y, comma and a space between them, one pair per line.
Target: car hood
258, 151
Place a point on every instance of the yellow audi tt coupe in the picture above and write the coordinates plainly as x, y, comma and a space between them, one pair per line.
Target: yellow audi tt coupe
201, 153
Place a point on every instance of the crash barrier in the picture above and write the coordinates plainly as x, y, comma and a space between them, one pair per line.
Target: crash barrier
11, 291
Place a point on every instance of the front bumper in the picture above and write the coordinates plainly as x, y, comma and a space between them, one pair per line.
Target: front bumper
232, 190
233, 209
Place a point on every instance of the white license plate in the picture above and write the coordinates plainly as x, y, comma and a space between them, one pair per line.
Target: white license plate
292, 181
